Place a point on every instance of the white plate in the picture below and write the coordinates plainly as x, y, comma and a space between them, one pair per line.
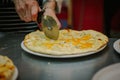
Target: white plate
116, 45
111, 72
15, 75
59, 56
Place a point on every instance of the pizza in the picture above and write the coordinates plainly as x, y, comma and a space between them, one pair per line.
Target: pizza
69, 42
7, 68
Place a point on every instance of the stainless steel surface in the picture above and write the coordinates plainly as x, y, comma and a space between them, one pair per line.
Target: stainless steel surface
33, 67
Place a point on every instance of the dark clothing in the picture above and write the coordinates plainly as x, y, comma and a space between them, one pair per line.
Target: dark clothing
10, 21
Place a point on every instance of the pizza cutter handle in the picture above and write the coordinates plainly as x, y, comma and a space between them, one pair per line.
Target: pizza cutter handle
39, 18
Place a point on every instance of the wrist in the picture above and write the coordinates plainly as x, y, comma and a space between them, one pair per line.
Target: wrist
51, 4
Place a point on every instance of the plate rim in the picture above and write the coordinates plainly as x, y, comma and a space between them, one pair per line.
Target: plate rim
15, 74
105, 69
60, 56
115, 44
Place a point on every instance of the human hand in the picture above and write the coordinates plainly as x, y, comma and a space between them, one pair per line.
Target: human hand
27, 9
50, 11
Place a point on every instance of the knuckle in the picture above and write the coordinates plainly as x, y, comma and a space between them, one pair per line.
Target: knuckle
19, 9
27, 4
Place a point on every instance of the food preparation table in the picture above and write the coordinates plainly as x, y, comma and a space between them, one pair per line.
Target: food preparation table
32, 67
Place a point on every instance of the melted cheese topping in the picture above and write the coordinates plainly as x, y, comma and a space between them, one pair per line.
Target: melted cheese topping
69, 42
79, 42
6, 68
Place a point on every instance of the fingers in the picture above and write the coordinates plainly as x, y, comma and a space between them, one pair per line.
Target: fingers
58, 22
27, 14
27, 10
51, 12
19, 9
34, 11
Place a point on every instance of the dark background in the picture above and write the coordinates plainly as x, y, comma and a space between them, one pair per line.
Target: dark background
112, 17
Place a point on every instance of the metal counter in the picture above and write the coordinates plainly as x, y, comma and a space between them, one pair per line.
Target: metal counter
33, 67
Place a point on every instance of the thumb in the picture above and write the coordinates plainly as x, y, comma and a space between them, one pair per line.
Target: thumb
34, 12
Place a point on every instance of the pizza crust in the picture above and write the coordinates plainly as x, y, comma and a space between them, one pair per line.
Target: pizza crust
7, 68
69, 42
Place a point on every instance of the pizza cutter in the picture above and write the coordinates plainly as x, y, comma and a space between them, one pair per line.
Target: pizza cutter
48, 25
